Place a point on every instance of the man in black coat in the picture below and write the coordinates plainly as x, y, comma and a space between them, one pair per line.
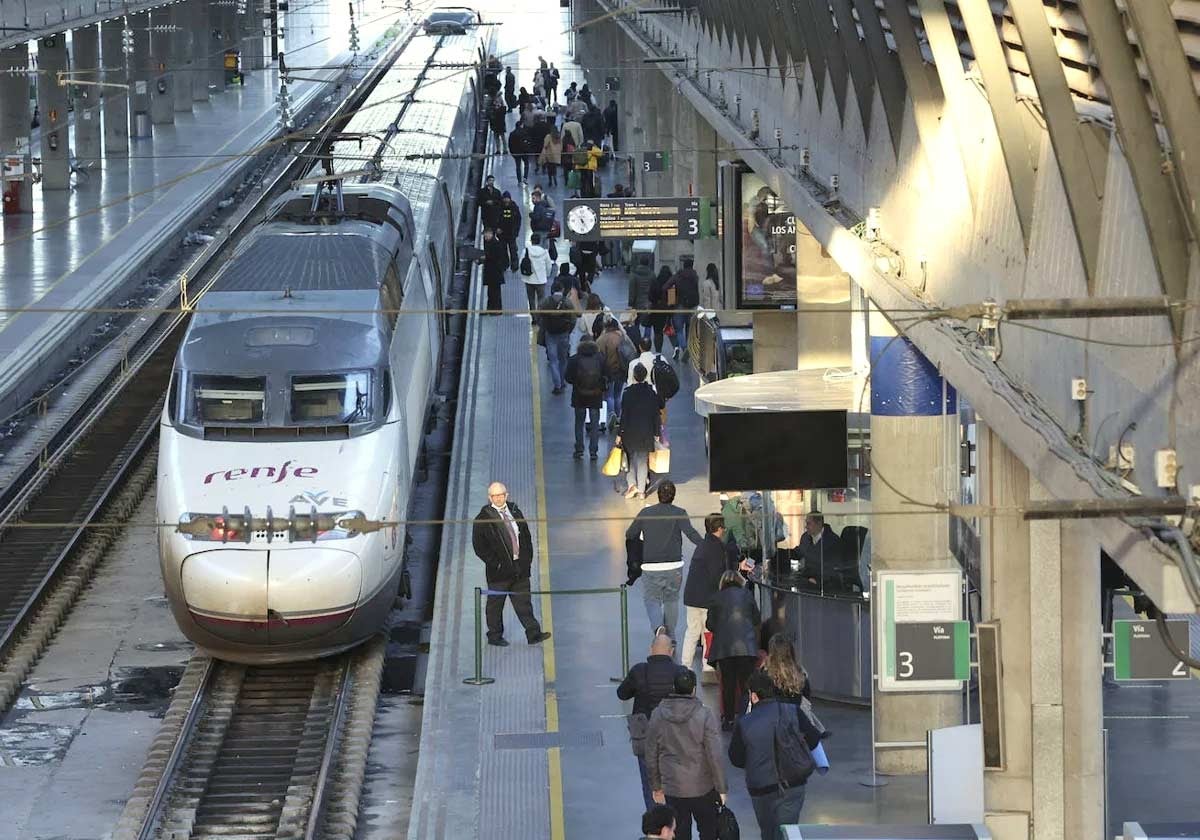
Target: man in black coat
510, 88
820, 551
508, 231
501, 540
647, 684
712, 558
686, 283
585, 373
641, 425
519, 148
488, 201
495, 263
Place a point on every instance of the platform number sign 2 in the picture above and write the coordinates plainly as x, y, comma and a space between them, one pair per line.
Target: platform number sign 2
1139, 652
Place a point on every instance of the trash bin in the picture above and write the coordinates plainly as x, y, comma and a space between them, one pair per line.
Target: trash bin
141, 124
233, 67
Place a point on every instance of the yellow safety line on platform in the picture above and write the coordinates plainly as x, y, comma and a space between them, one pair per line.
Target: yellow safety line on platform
553, 754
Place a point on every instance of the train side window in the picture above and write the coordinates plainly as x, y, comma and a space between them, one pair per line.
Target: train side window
390, 294
173, 397
437, 286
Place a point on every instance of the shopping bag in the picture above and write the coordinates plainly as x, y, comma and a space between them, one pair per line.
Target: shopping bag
612, 464
727, 825
573, 179
603, 416
660, 459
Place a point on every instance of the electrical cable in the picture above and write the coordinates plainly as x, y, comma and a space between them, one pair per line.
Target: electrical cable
285, 138
1160, 618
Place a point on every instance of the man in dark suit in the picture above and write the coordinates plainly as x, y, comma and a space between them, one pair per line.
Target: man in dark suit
501, 539
820, 552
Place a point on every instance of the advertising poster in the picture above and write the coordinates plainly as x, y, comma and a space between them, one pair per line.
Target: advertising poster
768, 247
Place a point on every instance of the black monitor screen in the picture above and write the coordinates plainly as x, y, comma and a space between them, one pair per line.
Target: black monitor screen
777, 450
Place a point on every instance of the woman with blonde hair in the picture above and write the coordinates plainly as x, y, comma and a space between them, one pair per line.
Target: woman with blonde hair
781, 665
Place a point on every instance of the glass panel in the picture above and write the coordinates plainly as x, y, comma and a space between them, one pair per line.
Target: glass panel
332, 397
227, 399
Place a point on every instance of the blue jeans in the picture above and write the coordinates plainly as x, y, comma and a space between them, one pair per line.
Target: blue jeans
558, 349
660, 592
613, 397
776, 809
639, 469
645, 774
681, 320
593, 429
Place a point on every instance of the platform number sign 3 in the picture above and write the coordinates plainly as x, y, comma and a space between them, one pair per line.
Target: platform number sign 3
933, 650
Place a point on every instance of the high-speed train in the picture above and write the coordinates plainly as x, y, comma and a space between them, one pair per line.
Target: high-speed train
299, 394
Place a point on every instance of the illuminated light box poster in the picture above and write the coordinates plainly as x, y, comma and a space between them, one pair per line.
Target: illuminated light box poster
767, 248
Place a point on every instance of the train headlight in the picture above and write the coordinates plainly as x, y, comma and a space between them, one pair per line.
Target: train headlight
225, 527
214, 527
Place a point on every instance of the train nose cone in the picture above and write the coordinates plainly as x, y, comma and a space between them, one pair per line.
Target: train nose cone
272, 597
310, 591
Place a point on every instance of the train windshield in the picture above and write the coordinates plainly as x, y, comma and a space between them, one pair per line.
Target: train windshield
332, 397
227, 399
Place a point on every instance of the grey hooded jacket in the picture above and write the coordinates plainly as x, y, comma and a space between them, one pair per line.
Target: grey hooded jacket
683, 748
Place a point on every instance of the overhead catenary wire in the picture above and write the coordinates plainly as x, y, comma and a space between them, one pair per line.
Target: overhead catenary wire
295, 135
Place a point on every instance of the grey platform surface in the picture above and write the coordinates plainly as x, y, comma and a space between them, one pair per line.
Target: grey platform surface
73, 745
75, 250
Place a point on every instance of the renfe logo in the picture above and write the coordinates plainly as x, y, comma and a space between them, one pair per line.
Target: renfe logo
277, 473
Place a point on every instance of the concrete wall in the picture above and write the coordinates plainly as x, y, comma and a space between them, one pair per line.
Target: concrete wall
960, 222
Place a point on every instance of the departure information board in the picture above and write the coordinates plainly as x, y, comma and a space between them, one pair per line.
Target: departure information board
589, 219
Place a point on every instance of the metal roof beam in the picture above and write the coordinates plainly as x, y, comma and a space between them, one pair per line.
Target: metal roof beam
889, 78
1010, 117
1171, 80
1161, 211
1082, 158
861, 74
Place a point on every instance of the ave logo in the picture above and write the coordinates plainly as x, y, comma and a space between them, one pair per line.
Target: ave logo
317, 497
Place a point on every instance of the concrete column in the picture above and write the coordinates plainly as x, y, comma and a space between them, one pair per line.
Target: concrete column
250, 37
116, 100
180, 56
1041, 583
52, 101
85, 49
221, 38
823, 302
1007, 598
141, 75
162, 101
914, 447
15, 117
201, 54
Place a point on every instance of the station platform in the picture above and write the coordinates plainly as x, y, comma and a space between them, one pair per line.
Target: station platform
543, 752
87, 246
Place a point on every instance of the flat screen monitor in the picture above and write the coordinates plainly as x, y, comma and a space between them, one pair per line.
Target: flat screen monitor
777, 450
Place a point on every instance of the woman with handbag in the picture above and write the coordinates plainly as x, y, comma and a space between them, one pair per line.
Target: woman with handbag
551, 156
658, 317
733, 618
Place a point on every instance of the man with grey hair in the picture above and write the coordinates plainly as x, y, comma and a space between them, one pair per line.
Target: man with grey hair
501, 539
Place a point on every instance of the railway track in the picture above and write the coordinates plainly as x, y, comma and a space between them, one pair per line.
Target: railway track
57, 527
260, 751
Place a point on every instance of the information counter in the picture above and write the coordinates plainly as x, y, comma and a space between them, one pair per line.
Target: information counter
832, 634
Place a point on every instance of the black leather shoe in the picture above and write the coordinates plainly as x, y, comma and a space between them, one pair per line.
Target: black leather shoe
578, 454
498, 642
539, 638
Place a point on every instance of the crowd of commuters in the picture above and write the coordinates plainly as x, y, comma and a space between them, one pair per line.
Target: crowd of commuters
621, 383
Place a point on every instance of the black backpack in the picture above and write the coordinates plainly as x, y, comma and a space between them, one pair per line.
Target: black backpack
793, 759
666, 380
589, 375
526, 265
